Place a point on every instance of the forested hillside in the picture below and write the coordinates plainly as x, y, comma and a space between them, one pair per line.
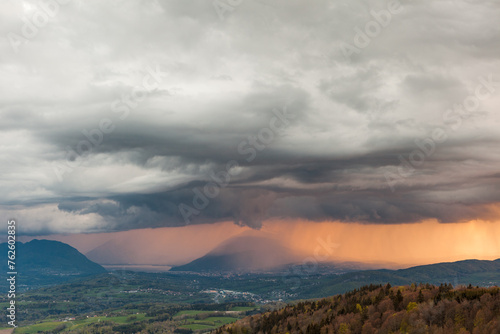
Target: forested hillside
385, 309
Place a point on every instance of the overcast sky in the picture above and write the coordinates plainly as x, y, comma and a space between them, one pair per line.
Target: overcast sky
114, 115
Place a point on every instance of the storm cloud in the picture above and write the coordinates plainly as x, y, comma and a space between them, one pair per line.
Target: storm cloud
131, 114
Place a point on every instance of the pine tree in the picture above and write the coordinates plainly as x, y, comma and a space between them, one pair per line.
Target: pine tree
420, 298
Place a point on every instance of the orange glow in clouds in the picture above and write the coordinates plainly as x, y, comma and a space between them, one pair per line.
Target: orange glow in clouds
393, 246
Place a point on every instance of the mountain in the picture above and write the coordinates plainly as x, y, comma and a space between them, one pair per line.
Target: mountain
243, 254
46, 262
111, 252
384, 309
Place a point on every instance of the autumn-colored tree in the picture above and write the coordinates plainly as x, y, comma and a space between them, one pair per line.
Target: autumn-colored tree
384, 309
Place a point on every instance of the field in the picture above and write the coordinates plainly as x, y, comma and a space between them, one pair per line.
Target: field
72, 325
204, 320
195, 320
242, 308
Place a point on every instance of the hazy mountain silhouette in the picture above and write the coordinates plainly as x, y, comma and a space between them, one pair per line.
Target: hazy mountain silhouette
243, 254
111, 252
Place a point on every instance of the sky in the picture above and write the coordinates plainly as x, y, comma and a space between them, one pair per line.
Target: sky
133, 115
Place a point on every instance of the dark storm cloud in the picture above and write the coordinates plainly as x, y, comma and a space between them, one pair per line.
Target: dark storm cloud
165, 96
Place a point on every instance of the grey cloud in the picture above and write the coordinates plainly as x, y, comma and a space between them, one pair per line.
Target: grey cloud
222, 82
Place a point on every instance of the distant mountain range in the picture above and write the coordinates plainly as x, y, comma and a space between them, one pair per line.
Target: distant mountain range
260, 255
45, 262
249, 254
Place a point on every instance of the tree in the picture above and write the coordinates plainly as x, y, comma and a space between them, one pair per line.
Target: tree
420, 298
398, 300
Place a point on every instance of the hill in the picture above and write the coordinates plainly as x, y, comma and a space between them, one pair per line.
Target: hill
384, 309
46, 262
